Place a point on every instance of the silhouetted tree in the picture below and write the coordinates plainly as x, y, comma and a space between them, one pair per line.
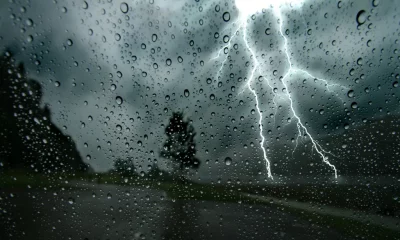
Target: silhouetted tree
124, 166
28, 138
180, 147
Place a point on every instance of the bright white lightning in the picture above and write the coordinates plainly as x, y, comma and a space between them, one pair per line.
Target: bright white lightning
246, 8
249, 81
300, 125
228, 45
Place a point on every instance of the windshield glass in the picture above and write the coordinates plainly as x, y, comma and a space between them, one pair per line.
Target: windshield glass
159, 119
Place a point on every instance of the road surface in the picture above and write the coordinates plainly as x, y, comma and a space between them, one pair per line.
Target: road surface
120, 212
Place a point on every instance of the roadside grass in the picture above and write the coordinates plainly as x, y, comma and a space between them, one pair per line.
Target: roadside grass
21, 180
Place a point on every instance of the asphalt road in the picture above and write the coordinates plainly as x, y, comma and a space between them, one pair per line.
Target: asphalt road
118, 212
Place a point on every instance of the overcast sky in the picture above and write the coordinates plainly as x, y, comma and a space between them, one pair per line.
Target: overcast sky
88, 54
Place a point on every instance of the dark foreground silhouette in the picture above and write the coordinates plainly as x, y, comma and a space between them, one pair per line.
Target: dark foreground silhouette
28, 137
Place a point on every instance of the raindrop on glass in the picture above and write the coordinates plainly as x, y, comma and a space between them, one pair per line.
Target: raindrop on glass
186, 93
226, 16
228, 161
154, 37
119, 100
354, 105
117, 37
124, 7
350, 93
361, 17
85, 5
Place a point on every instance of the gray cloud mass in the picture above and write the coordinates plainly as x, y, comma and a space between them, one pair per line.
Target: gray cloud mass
98, 53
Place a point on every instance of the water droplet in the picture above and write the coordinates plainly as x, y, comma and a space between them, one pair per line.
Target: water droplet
228, 161
208, 81
226, 16
375, 3
217, 8
212, 96
354, 105
29, 22
119, 100
168, 62
70, 42
71, 200
361, 17
113, 87
29, 38
124, 7
57, 83
268, 31
350, 93
360, 61
109, 196
395, 84
117, 36
186, 93
85, 5
180, 59
154, 37
226, 39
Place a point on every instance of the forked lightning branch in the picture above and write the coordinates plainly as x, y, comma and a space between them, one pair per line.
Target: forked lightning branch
247, 8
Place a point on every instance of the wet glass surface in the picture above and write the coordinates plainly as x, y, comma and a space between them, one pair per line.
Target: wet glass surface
158, 119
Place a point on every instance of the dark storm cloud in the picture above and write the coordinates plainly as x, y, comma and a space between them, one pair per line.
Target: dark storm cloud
129, 52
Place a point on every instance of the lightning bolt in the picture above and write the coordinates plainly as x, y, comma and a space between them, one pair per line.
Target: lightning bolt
301, 128
300, 125
228, 45
248, 83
